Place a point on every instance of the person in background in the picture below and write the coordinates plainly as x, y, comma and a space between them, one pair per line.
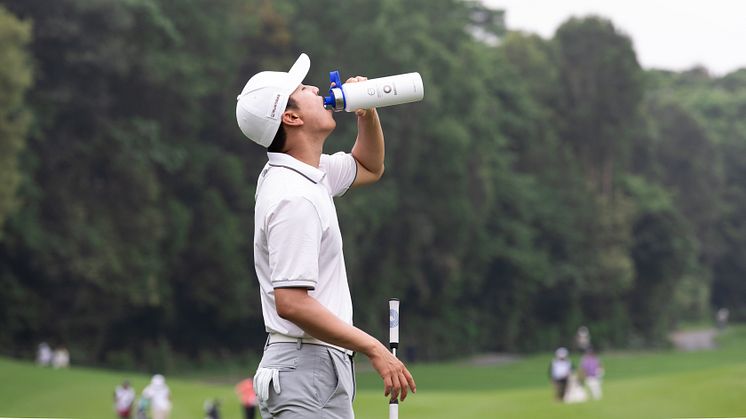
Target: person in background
44, 355
143, 405
592, 371
574, 391
245, 392
559, 371
159, 396
722, 318
583, 338
212, 409
124, 398
61, 358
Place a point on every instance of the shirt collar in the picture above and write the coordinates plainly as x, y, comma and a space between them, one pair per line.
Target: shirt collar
285, 160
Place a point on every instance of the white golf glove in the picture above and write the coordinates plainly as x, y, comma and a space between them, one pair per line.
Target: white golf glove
262, 379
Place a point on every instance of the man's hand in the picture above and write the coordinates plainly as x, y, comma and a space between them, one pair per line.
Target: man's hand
368, 149
295, 305
358, 112
396, 378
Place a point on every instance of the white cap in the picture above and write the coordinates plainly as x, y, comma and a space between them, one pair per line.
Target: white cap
264, 98
561, 353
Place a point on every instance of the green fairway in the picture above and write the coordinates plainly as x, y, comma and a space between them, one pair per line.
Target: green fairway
644, 385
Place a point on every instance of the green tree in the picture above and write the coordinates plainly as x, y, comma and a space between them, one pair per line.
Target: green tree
663, 253
525, 196
601, 94
129, 137
15, 79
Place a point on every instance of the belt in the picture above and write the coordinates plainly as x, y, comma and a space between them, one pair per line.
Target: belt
278, 338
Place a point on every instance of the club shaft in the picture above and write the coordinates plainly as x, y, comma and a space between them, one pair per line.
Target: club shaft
394, 345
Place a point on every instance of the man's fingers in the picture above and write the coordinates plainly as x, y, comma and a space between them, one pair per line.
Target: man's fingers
395, 392
402, 382
410, 381
356, 79
397, 380
392, 386
403, 388
400, 388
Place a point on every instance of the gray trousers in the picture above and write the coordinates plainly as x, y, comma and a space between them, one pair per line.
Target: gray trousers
316, 382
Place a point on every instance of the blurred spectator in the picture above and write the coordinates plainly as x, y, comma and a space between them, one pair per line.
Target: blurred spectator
245, 392
592, 371
61, 358
142, 408
44, 355
124, 398
722, 318
559, 370
583, 338
159, 397
574, 392
212, 409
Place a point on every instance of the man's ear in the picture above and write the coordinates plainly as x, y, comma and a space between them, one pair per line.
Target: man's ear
291, 118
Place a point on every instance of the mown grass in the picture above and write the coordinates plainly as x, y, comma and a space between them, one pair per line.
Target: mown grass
637, 385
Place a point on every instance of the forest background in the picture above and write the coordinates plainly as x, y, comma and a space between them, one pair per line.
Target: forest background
542, 184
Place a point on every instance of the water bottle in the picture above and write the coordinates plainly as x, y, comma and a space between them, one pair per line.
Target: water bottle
374, 93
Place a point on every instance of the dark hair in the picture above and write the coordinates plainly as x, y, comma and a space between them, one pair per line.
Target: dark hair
278, 144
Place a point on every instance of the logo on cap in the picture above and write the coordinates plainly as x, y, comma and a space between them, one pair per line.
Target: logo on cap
273, 112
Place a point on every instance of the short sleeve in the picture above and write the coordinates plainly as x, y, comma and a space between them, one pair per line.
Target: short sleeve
293, 240
340, 169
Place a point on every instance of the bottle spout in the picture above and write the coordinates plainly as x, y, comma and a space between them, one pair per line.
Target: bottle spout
336, 98
329, 101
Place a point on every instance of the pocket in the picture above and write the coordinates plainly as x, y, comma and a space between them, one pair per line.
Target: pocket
354, 380
325, 377
276, 357
274, 363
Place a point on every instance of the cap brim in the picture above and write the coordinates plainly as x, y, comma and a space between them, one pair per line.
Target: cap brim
298, 72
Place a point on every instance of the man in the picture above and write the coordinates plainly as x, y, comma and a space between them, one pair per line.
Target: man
124, 397
559, 371
307, 370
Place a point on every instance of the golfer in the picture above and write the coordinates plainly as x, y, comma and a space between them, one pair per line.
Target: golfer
307, 368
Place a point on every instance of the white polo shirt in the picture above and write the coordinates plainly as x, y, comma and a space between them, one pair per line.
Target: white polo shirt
297, 241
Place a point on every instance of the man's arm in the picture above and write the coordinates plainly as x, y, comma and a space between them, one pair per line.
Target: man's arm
368, 150
295, 305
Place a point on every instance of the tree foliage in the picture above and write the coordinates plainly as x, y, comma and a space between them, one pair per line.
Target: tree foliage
542, 184
15, 79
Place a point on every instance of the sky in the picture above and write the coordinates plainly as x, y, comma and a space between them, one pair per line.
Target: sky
667, 34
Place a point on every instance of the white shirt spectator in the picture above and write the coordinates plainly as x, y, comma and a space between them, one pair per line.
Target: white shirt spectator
44, 355
124, 397
61, 358
159, 395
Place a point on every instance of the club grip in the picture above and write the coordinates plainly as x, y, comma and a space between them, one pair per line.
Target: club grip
394, 323
393, 345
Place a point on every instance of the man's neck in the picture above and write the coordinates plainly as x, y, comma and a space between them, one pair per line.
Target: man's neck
306, 150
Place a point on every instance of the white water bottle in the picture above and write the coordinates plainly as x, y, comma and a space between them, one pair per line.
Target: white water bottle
374, 93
